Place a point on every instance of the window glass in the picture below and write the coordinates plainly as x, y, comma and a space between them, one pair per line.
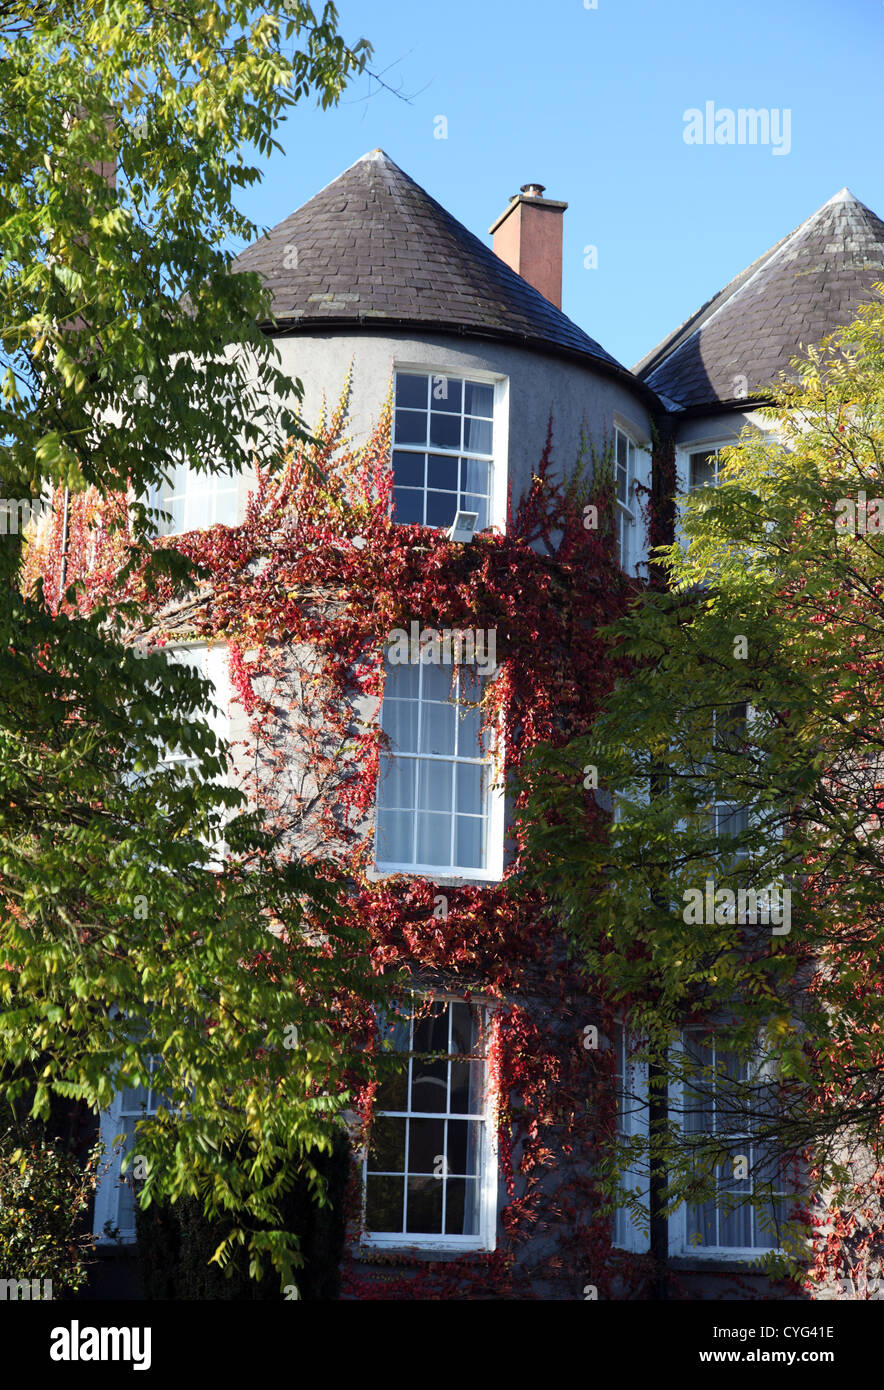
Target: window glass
423, 1169
443, 445
624, 473
703, 469
195, 500
434, 780
727, 1098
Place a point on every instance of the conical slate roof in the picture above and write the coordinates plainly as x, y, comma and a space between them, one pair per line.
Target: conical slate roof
810, 283
374, 248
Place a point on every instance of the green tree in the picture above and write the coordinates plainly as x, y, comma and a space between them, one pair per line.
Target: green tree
129, 347
745, 751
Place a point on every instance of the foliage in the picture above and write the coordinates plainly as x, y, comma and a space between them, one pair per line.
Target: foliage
131, 346
771, 603
44, 1197
176, 1243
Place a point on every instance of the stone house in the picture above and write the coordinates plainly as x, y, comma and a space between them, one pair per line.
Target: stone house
375, 282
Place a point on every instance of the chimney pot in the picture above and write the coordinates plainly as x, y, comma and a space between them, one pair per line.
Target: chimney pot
533, 190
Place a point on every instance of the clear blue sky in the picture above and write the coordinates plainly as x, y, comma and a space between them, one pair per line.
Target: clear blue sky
591, 103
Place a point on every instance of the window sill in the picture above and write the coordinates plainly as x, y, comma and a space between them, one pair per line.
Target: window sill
720, 1261
435, 873
368, 1250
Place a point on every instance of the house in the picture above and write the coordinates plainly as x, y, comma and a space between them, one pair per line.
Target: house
379, 290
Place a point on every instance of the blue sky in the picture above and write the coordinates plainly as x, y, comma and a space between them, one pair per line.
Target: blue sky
591, 103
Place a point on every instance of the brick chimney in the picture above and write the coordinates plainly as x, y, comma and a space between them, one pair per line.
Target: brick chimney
528, 236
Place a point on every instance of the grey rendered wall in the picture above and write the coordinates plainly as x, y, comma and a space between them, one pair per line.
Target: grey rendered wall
537, 382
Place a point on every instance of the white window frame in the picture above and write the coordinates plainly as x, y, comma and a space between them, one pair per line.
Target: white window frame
632, 1100
206, 491
624, 509
679, 1245
498, 459
627, 513
486, 1237
495, 816
684, 452
110, 1178
715, 451
628, 1236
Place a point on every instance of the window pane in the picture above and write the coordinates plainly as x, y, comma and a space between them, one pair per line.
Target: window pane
464, 1028
732, 820
386, 1151
463, 1147
478, 399
431, 1030
402, 682
424, 1206
461, 1207
441, 507
479, 505
477, 436
396, 782
395, 843
426, 1143
408, 506
442, 472
474, 475
437, 683
446, 393
469, 848
437, 728
735, 1225
433, 838
470, 788
411, 390
434, 786
135, 1100
411, 427
399, 720
429, 1091
408, 469
392, 1091
701, 1225
469, 726
703, 469
445, 431
384, 1203
178, 509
